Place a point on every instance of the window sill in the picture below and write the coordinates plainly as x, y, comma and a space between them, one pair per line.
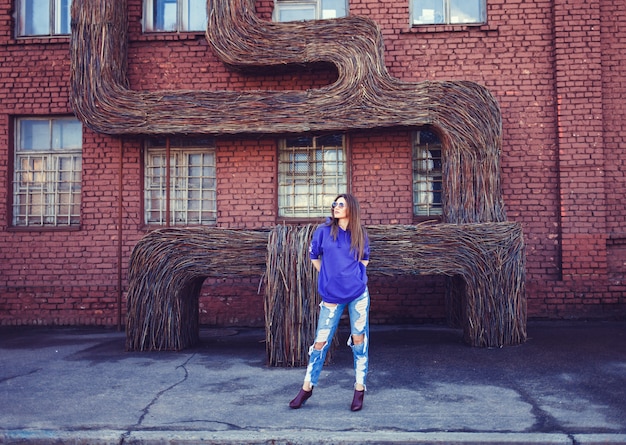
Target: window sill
38, 40
281, 220
159, 36
151, 227
43, 229
423, 219
423, 29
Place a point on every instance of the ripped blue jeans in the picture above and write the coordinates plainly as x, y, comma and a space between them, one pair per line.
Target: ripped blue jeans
327, 323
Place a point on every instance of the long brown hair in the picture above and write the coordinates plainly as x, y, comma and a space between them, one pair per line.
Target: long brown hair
358, 234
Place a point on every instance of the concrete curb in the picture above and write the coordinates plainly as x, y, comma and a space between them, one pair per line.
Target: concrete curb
289, 437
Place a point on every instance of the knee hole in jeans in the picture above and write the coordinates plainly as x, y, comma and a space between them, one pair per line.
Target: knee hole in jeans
358, 339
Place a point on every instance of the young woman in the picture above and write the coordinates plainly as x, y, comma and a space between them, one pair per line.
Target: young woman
339, 251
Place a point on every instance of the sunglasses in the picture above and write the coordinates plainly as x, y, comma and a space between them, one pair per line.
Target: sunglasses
341, 205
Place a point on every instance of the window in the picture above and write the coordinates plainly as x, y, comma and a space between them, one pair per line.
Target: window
430, 12
289, 11
43, 17
311, 173
47, 176
175, 15
427, 183
192, 182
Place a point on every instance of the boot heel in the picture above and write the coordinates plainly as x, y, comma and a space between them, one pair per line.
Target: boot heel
357, 400
300, 399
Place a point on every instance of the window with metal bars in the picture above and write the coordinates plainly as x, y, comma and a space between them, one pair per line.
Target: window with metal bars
312, 171
192, 182
47, 172
427, 174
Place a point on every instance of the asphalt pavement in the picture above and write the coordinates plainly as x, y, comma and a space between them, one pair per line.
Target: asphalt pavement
70, 385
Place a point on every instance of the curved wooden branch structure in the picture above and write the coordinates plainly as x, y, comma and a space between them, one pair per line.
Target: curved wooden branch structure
168, 266
364, 96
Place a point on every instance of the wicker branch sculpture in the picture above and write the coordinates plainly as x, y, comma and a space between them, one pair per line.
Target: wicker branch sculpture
365, 96
167, 268
164, 288
168, 265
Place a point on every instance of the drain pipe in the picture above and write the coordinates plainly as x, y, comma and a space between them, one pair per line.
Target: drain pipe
168, 178
120, 187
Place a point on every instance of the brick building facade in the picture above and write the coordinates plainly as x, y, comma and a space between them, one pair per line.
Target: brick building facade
555, 67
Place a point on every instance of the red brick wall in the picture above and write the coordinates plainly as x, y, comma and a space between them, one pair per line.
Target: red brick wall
382, 178
557, 74
613, 38
246, 185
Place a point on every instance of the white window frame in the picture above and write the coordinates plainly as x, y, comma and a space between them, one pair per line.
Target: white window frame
192, 186
316, 9
56, 20
47, 173
447, 12
312, 171
427, 174
185, 10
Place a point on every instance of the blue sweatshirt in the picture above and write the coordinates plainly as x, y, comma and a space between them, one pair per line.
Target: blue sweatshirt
342, 277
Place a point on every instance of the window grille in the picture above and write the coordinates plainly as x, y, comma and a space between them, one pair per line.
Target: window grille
312, 171
427, 174
47, 172
192, 185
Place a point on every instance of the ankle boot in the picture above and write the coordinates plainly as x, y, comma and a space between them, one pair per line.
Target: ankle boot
302, 397
357, 400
